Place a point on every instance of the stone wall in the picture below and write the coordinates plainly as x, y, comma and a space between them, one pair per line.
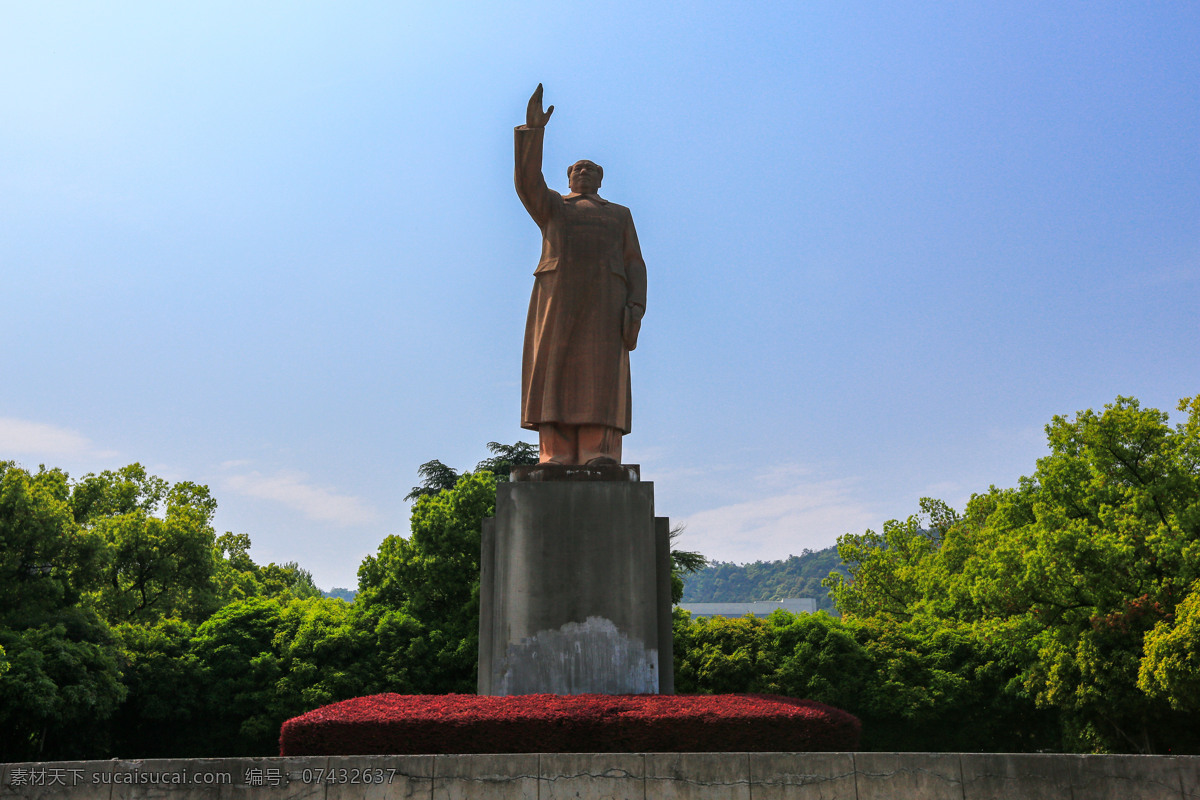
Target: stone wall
644, 776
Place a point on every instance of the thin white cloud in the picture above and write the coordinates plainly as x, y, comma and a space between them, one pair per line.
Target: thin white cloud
783, 476
293, 490
808, 515
648, 454
26, 437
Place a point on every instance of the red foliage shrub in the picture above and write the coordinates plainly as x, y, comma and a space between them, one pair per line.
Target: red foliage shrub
389, 724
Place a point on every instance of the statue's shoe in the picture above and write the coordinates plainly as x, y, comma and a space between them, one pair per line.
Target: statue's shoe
602, 461
551, 463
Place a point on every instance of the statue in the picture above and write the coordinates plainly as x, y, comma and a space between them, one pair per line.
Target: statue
589, 295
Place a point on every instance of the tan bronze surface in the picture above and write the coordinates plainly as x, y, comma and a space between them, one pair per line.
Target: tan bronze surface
589, 295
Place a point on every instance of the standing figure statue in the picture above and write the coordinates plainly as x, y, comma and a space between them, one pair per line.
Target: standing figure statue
589, 295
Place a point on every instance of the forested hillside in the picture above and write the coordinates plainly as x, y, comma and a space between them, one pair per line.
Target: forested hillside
797, 576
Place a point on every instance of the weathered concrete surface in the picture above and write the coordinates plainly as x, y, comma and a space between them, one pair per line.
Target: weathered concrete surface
65, 779
391, 777
896, 776
472, 777
548, 471
595, 776
697, 776
1189, 772
592, 655
1000, 776
620, 776
1124, 778
171, 779
571, 598
803, 776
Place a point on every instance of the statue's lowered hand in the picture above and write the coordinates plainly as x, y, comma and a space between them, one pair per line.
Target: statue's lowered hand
630, 327
534, 116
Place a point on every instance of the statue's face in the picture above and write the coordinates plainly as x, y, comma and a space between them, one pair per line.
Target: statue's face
584, 177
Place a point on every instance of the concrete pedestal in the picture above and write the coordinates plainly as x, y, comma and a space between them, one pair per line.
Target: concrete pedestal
575, 586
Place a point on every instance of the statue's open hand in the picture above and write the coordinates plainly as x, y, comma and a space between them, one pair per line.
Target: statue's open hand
534, 116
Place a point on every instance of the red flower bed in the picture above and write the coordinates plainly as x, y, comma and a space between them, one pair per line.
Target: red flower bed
388, 724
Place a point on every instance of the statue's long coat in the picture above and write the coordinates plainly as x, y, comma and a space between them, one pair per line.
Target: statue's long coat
575, 369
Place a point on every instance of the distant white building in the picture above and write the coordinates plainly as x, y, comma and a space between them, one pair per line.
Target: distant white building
759, 608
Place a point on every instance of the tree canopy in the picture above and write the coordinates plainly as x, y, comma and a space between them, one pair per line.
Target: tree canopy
1060, 614
1085, 574
114, 593
436, 477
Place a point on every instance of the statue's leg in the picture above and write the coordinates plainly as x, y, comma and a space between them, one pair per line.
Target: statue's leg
599, 442
558, 443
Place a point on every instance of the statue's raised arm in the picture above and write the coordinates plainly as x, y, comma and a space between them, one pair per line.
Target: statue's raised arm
534, 116
539, 200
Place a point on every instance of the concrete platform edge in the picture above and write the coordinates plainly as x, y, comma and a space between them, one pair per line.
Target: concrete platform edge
761, 776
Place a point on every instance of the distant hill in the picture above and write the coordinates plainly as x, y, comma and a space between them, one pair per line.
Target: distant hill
344, 594
726, 582
797, 576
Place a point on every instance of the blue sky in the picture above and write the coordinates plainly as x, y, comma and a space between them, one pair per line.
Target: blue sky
275, 247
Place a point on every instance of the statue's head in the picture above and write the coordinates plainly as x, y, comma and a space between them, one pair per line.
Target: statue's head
584, 176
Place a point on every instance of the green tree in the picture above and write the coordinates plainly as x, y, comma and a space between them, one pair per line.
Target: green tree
165, 712
239, 666
235, 575
817, 657
288, 578
1076, 574
326, 656
1170, 669
719, 655
916, 685
172, 669
891, 571
437, 477
156, 566
60, 676
420, 596
165, 676
506, 456
683, 562
226, 686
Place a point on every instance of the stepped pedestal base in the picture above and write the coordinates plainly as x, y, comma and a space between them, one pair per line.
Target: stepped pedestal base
575, 586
